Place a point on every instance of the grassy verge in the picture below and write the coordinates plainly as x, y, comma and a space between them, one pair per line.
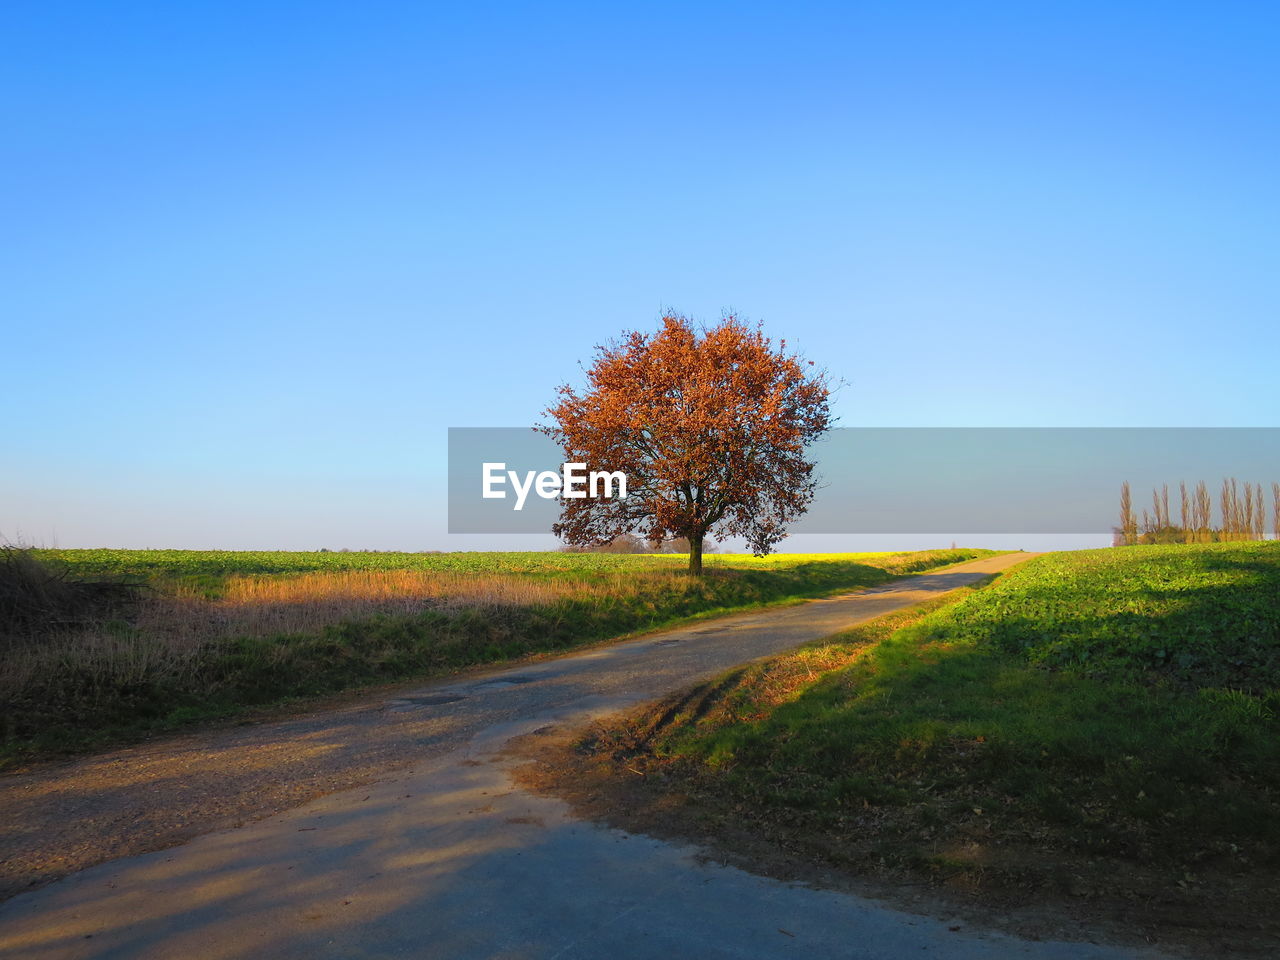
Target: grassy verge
1097, 727
217, 633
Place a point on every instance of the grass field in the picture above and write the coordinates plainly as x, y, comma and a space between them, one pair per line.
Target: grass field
1101, 724
216, 632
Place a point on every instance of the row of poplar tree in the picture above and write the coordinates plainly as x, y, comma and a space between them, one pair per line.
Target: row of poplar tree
1242, 515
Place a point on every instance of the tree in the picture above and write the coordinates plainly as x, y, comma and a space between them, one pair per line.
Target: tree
1128, 530
1260, 517
681, 545
1160, 505
710, 427
1203, 513
1185, 511
626, 543
1275, 510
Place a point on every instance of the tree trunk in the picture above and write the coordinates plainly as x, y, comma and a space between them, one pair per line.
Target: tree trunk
695, 556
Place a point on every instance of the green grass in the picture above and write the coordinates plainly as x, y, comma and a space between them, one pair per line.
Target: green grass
1115, 706
208, 570
1204, 615
119, 680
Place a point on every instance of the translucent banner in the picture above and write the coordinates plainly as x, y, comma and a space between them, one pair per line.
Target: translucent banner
908, 480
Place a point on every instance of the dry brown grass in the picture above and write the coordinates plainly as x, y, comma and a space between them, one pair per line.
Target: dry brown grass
742, 696
173, 632
266, 606
101, 660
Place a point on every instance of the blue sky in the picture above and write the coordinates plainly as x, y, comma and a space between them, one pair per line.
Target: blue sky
258, 257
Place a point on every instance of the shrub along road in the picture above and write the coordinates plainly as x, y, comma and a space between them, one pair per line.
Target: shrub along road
445, 858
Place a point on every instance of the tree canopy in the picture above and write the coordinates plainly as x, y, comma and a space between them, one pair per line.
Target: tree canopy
710, 426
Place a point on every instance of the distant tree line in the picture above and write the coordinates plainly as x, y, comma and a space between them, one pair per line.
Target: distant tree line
430, 553
1241, 515
630, 543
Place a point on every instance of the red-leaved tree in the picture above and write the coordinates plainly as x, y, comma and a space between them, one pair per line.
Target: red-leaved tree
710, 426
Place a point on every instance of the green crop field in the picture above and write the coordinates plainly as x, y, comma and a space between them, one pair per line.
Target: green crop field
1093, 724
1204, 616
212, 567
214, 632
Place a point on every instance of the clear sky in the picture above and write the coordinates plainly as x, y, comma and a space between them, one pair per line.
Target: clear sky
258, 257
